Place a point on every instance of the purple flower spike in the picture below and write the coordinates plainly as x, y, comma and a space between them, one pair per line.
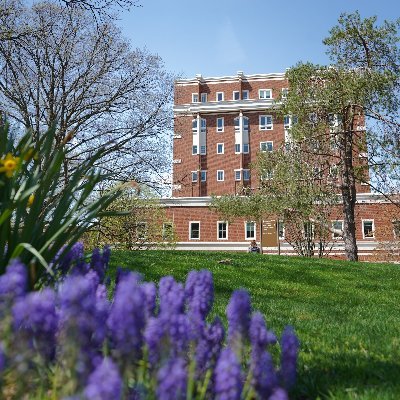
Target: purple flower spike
289, 350
153, 336
228, 376
238, 313
199, 292
35, 320
179, 330
264, 378
127, 318
14, 283
172, 296
172, 380
104, 383
150, 291
259, 335
209, 346
2, 357
279, 394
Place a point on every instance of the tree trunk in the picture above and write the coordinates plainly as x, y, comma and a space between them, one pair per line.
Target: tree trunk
348, 187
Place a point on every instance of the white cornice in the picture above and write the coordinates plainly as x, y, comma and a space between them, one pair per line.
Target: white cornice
362, 198
230, 79
224, 106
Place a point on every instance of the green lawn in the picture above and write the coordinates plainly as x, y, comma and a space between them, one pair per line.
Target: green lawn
347, 315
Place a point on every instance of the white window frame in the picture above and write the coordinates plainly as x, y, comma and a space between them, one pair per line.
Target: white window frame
190, 230
194, 153
223, 175
218, 128
284, 92
333, 227
245, 230
195, 97
203, 173
222, 146
260, 91
237, 151
373, 228
244, 172
233, 95
226, 229
203, 149
240, 174
203, 97
195, 176
266, 126
247, 97
246, 148
222, 96
268, 141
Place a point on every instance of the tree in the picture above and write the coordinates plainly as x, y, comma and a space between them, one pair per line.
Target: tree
334, 101
84, 75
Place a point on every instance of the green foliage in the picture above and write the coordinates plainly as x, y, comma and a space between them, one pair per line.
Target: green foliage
39, 212
342, 311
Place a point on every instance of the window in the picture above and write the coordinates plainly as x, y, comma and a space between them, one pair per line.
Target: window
194, 125
195, 98
220, 175
285, 92
265, 122
237, 148
245, 123
220, 124
202, 149
236, 95
245, 94
203, 97
265, 94
337, 225
220, 148
203, 176
194, 176
281, 230
237, 124
245, 148
266, 174
396, 228
250, 228
238, 175
286, 121
194, 230
246, 174
309, 231
220, 96
368, 229
194, 150
203, 125
266, 146
141, 230
168, 231
222, 227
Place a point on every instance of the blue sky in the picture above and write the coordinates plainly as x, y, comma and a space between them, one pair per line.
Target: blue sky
221, 37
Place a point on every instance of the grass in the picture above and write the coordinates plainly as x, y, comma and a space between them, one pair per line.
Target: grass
347, 315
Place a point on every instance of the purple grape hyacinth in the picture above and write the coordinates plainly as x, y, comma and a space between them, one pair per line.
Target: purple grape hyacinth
264, 377
2, 357
289, 350
172, 295
150, 291
127, 318
35, 320
14, 283
172, 380
228, 376
238, 313
104, 382
259, 335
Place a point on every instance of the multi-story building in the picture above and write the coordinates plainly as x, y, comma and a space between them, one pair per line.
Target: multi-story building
220, 126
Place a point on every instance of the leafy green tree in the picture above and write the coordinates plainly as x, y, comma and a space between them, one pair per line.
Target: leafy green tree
332, 103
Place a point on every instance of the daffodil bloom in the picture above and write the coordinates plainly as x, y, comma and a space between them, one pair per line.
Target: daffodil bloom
31, 198
9, 164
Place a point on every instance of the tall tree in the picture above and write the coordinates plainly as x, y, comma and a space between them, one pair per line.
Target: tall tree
81, 73
361, 84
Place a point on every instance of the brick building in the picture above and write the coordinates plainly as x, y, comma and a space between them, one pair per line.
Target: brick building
220, 126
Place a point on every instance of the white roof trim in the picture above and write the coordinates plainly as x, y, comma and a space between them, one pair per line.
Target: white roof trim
234, 78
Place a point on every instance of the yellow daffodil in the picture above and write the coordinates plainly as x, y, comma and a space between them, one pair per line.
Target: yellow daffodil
9, 164
31, 198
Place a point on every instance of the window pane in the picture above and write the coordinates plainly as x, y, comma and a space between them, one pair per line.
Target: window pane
245, 123
245, 147
202, 149
220, 148
194, 150
194, 124
203, 176
245, 94
194, 230
194, 176
237, 148
222, 230
236, 95
250, 233
204, 97
337, 225
368, 229
220, 175
246, 174
195, 98
237, 175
